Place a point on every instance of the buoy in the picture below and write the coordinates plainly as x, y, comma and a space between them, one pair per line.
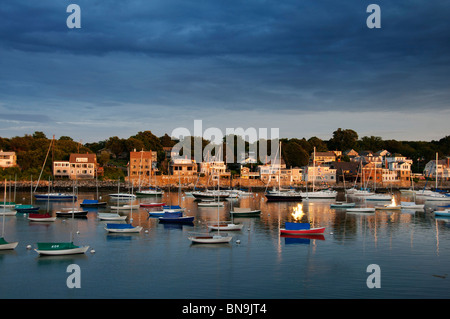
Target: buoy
92, 251
28, 246
238, 241
78, 231
146, 231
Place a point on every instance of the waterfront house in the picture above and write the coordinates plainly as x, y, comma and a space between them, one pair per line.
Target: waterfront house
61, 169
183, 167
323, 157
140, 166
214, 167
319, 175
82, 166
272, 173
345, 170
8, 159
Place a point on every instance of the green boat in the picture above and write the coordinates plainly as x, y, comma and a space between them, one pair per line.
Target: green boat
60, 248
7, 204
6, 245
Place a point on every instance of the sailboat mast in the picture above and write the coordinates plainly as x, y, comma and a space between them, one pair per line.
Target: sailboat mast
314, 168
279, 171
4, 211
436, 171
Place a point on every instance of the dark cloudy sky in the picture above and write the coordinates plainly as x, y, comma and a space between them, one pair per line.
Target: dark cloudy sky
306, 67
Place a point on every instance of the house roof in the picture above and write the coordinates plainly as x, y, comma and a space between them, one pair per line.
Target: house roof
91, 158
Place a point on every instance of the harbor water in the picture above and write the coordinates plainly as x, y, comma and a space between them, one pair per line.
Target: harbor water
411, 249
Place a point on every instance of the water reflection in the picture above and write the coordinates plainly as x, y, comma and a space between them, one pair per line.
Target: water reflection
262, 261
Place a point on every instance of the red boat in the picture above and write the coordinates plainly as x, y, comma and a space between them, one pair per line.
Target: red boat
152, 204
36, 217
301, 229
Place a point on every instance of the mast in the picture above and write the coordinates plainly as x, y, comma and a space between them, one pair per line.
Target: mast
279, 171
314, 169
436, 171
51, 143
4, 211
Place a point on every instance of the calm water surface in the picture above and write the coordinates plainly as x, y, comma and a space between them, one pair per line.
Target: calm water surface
411, 248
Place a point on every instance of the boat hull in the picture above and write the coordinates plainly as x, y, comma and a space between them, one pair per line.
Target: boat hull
54, 197
360, 210
111, 217
210, 239
283, 198
9, 246
226, 227
311, 231
76, 214
56, 252
152, 204
250, 213
187, 219
442, 213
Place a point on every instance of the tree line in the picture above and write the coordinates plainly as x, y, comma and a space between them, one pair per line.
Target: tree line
113, 153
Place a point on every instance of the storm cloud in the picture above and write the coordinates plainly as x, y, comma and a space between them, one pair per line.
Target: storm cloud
157, 65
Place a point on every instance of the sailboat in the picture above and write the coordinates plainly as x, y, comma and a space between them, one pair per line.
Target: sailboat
174, 213
123, 228
61, 248
4, 245
93, 202
53, 195
37, 217
22, 208
325, 193
279, 195
112, 216
436, 196
6, 211
226, 225
211, 238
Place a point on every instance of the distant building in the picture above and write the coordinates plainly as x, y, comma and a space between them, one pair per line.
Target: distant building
323, 157
61, 169
214, 168
345, 170
183, 167
319, 175
278, 172
8, 159
247, 174
140, 166
82, 166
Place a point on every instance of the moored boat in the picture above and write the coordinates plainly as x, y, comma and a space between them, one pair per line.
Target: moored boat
72, 213
26, 208
442, 213
60, 248
122, 228
55, 196
92, 203
209, 238
151, 204
245, 212
342, 205
36, 217
301, 229
110, 216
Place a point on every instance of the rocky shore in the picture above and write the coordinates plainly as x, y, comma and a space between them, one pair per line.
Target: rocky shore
255, 185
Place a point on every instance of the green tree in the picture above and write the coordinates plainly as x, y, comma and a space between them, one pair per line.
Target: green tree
343, 140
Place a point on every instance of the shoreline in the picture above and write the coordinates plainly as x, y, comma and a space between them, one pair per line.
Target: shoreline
91, 185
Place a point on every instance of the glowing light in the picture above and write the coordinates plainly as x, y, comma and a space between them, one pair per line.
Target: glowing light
298, 212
